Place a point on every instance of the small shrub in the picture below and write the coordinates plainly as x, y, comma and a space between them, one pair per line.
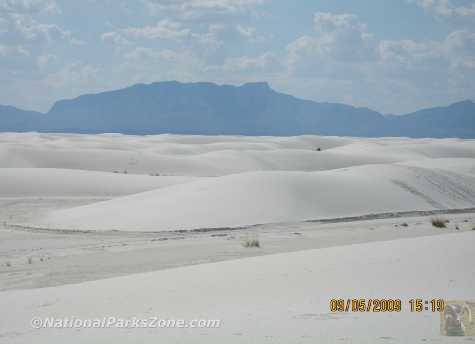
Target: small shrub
30, 260
251, 243
439, 222
473, 229
404, 224
8, 264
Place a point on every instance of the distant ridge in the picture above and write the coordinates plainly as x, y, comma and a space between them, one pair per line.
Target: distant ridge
249, 109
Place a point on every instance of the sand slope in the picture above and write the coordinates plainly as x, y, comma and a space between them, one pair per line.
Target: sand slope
249, 180
48, 182
263, 197
280, 298
215, 155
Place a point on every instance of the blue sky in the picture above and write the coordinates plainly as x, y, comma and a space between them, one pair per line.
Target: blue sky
394, 56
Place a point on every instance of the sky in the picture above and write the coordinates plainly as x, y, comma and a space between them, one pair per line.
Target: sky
393, 56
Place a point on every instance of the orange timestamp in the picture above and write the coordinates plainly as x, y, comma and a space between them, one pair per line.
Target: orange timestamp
385, 305
365, 305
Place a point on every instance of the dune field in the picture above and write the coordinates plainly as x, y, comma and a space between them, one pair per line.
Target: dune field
137, 226
216, 182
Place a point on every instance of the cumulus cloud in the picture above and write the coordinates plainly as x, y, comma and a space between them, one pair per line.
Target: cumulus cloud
115, 38
168, 30
341, 42
249, 33
31, 29
191, 9
211, 37
17, 50
344, 55
458, 45
18, 23
264, 62
143, 64
338, 36
44, 60
29, 6
339, 58
444, 68
446, 8
407, 51
164, 29
76, 75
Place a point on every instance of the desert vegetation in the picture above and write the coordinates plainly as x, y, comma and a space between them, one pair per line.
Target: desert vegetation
439, 222
251, 241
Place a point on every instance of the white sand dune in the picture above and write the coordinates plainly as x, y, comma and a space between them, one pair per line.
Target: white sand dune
230, 181
266, 197
212, 163
456, 165
249, 180
280, 298
169, 154
48, 182
215, 155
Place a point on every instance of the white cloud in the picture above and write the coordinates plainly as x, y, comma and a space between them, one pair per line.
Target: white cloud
25, 30
43, 60
249, 33
170, 30
461, 42
191, 9
76, 76
341, 44
141, 54
143, 64
32, 30
343, 36
446, 8
211, 37
29, 6
164, 29
444, 68
115, 38
407, 51
344, 55
264, 62
338, 36
12, 51
458, 45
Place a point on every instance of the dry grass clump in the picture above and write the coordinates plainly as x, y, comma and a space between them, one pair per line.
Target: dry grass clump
251, 243
439, 222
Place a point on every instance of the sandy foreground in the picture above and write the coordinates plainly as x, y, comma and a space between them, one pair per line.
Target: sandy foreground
100, 226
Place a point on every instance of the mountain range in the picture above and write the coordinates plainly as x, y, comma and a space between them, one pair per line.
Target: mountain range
250, 109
